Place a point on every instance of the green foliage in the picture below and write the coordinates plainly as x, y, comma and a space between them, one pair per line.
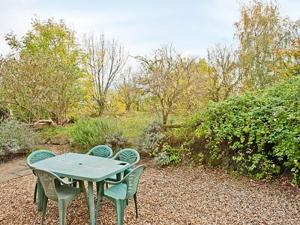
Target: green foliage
87, 133
126, 130
266, 43
15, 137
168, 155
257, 134
41, 79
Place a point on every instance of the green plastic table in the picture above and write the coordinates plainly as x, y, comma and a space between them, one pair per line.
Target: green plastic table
86, 168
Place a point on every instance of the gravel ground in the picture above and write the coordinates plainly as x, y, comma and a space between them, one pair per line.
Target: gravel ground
170, 196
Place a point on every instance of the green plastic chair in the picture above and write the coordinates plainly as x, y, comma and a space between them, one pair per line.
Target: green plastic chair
57, 190
128, 155
101, 151
34, 157
122, 190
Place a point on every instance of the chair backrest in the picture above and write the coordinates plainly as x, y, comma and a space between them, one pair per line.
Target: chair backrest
132, 180
128, 155
38, 156
101, 151
49, 183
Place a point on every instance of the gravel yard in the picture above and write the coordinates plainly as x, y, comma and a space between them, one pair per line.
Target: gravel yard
174, 195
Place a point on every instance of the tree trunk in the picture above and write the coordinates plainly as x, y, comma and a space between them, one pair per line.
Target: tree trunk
128, 107
101, 103
165, 118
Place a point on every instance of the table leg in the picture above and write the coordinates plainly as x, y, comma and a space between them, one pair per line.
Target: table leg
100, 192
91, 203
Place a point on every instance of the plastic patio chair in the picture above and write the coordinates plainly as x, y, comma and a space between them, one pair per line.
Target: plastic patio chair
57, 190
128, 155
122, 190
101, 151
34, 157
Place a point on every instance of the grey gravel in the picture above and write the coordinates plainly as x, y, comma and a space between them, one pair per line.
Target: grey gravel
173, 195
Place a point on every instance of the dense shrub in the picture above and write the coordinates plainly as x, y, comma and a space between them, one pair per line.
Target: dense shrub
15, 138
87, 133
257, 134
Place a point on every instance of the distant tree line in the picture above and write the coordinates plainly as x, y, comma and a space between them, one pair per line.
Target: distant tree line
49, 75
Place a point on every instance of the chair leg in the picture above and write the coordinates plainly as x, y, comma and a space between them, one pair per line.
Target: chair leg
120, 205
136, 205
44, 210
40, 196
35, 192
62, 210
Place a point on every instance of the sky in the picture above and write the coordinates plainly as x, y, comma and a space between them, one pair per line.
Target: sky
141, 26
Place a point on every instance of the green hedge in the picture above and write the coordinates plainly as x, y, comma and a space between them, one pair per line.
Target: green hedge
257, 134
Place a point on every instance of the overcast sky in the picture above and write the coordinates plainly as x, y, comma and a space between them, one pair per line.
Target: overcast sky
191, 25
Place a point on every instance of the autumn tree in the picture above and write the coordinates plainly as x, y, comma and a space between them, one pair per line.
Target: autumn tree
223, 75
128, 92
40, 78
165, 76
262, 35
105, 61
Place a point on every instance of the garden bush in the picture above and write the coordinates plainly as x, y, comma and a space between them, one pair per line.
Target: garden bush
256, 134
152, 139
117, 141
168, 155
87, 133
15, 138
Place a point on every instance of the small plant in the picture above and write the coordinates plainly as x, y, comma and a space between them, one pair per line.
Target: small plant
15, 138
162, 159
167, 156
117, 141
152, 139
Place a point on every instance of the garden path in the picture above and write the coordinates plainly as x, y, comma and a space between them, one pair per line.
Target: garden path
14, 169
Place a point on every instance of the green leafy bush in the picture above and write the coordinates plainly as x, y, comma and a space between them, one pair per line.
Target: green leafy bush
87, 133
257, 134
168, 155
15, 138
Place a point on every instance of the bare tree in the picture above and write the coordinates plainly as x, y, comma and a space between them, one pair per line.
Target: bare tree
106, 59
165, 76
128, 91
223, 76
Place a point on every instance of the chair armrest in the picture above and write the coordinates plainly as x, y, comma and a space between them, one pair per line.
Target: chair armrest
61, 180
113, 182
